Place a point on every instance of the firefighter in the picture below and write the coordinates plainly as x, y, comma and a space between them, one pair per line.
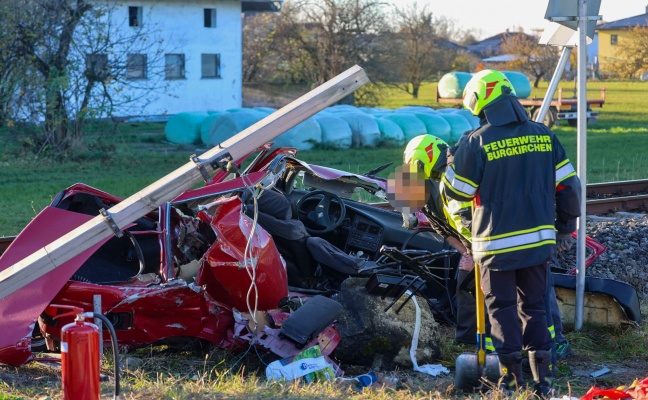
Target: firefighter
526, 199
425, 163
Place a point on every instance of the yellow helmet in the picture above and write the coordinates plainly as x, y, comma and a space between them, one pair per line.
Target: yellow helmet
425, 151
485, 87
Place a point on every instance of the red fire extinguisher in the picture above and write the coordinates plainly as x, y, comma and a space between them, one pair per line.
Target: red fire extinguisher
79, 356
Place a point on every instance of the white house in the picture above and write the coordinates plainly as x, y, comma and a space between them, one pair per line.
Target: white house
201, 65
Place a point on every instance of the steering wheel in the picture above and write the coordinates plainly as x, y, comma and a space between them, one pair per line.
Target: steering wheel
320, 216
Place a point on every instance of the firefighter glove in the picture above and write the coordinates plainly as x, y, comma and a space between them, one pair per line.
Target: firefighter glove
564, 242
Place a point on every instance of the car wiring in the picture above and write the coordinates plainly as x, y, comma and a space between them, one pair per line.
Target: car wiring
250, 259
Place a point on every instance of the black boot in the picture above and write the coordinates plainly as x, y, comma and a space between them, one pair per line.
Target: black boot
541, 368
511, 371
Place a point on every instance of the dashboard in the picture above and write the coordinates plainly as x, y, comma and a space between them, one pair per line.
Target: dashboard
364, 235
367, 228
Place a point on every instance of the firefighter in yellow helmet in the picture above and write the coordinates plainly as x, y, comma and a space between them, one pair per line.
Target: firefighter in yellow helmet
424, 164
426, 155
524, 189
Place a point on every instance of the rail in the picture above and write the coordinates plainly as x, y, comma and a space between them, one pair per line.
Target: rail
608, 197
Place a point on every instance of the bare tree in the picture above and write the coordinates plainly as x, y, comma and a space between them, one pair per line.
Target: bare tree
82, 59
420, 47
11, 63
259, 46
320, 39
529, 56
632, 53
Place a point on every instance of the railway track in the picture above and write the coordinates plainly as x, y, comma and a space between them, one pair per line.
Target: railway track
606, 197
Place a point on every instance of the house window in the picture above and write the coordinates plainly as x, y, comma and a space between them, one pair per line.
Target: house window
97, 66
134, 16
211, 66
136, 66
614, 39
210, 18
174, 66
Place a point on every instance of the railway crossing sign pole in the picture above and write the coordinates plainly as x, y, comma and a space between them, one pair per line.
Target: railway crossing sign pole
555, 79
580, 15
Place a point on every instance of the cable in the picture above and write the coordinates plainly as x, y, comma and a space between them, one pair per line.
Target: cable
259, 355
240, 358
115, 349
249, 258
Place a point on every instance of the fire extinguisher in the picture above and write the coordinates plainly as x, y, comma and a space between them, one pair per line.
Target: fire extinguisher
80, 355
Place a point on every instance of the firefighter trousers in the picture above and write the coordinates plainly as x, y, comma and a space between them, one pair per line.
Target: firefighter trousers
515, 301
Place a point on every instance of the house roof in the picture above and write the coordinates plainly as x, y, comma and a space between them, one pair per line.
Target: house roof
491, 44
625, 23
500, 59
261, 5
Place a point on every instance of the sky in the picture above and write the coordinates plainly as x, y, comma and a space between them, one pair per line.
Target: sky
490, 17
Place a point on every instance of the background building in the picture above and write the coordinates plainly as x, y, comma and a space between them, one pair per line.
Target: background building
612, 33
202, 45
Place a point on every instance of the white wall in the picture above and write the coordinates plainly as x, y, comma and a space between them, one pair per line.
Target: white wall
180, 25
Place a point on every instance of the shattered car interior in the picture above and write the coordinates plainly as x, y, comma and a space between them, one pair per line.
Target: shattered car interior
203, 266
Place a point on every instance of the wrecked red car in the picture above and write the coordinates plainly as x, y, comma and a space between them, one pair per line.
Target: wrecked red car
190, 269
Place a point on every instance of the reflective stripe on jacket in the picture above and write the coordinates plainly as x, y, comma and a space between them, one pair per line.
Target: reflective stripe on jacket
458, 214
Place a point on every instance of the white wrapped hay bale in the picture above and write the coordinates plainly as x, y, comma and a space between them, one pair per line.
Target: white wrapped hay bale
336, 132
205, 127
415, 109
452, 84
447, 110
410, 125
302, 136
267, 110
184, 128
364, 129
520, 83
390, 133
374, 110
436, 125
458, 125
343, 108
473, 120
229, 124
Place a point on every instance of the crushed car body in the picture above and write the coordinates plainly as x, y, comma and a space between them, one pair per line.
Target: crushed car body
180, 272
